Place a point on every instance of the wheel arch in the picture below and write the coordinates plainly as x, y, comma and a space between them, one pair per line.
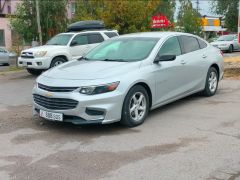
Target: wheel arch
146, 86
217, 68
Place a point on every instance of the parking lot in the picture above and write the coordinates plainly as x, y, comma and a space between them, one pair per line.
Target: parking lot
194, 138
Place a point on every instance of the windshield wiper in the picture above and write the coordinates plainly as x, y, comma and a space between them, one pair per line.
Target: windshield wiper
116, 60
82, 58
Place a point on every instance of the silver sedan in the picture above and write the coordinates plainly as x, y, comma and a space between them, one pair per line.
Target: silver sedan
4, 56
124, 78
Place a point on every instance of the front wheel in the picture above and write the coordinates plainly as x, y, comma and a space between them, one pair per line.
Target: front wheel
135, 107
211, 82
57, 61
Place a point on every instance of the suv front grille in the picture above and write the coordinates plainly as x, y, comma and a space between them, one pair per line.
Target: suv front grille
56, 89
55, 103
28, 55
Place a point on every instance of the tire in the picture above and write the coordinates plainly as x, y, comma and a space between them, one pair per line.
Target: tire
130, 118
6, 64
230, 50
211, 84
35, 72
57, 61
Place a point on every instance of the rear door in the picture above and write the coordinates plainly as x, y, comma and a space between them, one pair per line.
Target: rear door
194, 63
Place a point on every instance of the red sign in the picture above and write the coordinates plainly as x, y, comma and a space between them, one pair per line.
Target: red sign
160, 21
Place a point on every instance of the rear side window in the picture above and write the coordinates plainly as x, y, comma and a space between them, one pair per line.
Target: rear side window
202, 44
95, 38
111, 34
170, 47
189, 43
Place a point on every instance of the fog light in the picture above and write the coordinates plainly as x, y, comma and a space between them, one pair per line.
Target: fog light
39, 63
94, 112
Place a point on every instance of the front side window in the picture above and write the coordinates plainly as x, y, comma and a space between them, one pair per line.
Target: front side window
170, 47
80, 40
123, 49
190, 43
61, 39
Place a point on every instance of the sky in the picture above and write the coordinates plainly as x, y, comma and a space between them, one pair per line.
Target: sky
204, 5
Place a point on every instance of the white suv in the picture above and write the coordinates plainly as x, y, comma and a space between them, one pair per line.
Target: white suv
61, 48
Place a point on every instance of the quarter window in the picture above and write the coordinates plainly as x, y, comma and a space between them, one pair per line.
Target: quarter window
202, 44
190, 44
170, 47
95, 38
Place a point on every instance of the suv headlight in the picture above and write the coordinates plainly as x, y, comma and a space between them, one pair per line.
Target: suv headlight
90, 90
40, 53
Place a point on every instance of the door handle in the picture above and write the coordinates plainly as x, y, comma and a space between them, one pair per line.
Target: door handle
204, 56
183, 62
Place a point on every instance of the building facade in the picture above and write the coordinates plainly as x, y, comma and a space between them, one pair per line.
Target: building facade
8, 7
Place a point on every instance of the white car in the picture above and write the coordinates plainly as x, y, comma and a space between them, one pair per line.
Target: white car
227, 43
62, 48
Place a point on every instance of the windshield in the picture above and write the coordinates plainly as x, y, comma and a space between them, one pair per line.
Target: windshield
61, 39
226, 38
123, 49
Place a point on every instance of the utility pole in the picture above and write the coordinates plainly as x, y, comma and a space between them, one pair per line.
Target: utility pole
239, 22
39, 23
198, 5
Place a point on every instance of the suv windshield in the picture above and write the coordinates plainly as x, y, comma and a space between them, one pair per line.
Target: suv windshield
123, 49
61, 39
226, 38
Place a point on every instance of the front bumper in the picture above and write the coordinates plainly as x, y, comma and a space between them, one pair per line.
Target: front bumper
35, 63
110, 104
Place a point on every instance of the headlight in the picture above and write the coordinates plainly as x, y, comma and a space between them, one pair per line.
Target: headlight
40, 53
90, 90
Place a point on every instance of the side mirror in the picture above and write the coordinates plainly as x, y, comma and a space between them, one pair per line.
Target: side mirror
165, 58
74, 43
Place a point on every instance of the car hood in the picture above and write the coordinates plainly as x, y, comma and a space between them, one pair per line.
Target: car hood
44, 48
90, 70
220, 42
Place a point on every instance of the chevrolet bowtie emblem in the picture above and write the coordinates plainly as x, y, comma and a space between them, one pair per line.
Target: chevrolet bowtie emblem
48, 94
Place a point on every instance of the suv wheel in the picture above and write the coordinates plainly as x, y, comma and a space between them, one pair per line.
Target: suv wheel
230, 50
135, 107
34, 72
57, 61
211, 82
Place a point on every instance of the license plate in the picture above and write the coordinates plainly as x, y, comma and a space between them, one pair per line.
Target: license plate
51, 115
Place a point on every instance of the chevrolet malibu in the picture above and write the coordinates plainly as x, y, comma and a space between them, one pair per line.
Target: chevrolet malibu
124, 78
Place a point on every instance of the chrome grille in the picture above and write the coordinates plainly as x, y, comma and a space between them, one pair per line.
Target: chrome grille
28, 55
55, 103
56, 89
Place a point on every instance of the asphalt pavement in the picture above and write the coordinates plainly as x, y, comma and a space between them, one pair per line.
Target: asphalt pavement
194, 138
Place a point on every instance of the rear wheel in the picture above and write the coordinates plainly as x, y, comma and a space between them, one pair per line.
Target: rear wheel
230, 50
211, 82
35, 72
135, 107
57, 61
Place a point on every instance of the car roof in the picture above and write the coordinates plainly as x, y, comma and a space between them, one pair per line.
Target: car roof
156, 34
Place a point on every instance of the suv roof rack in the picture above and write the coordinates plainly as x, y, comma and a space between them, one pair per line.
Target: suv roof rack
86, 25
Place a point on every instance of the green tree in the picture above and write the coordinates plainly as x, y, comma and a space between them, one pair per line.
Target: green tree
126, 16
52, 14
229, 9
189, 20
